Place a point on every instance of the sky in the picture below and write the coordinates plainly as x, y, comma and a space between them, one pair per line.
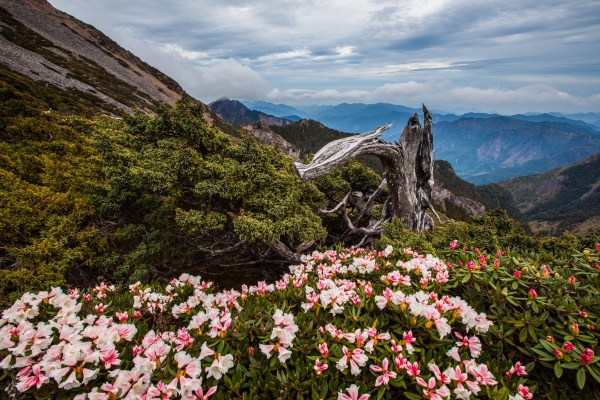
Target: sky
509, 56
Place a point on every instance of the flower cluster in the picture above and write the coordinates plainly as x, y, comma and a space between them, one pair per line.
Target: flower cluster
187, 341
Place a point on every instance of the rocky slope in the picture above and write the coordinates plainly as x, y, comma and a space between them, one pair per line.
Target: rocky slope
263, 133
58, 51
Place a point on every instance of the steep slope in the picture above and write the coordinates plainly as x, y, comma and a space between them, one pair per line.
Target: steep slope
264, 134
65, 55
237, 113
486, 197
563, 198
492, 149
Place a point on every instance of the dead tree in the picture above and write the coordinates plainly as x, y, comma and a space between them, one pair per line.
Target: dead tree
408, 167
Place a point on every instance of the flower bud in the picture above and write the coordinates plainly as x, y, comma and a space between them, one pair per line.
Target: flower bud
558, 354
572, 279
583, 314
574, 329
517, 275
550, 339
568, 347
533, 294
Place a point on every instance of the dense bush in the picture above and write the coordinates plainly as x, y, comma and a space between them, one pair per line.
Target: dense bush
147, 198
339, 325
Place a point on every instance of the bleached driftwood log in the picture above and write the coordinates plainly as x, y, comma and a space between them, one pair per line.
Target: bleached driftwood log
408, 167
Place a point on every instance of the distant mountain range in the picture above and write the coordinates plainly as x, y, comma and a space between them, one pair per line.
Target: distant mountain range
561, 199
482, 148
492, 149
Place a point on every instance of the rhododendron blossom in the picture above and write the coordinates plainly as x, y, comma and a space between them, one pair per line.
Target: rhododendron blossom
187, 333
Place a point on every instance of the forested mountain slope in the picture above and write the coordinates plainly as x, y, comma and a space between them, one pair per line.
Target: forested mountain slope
561, 199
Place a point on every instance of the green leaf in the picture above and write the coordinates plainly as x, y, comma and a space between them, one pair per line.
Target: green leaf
324, 391
581, 378
523, 335
515, 285
558, 370
413, 396
466, 278
594, 374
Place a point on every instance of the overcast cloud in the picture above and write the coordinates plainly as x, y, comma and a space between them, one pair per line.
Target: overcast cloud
505, 56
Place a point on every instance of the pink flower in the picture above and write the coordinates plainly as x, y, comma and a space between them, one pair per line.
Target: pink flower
319, 368
583, 314
430, 392
482, 375
37, 379
440, 376
532, 294
572, 279
385, 376
356, 357
519, 369
183, 339
201, 396
523, 391
137, 315
453, 244
453, 352
412, 369
122, 317
352, 394
407, 341
473, 344
109, 356
161, 391
324, 350
395, 348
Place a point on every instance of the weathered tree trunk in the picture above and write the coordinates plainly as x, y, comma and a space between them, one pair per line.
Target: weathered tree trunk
408, 171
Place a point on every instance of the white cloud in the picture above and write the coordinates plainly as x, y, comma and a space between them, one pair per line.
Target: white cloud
540, 98
356, 50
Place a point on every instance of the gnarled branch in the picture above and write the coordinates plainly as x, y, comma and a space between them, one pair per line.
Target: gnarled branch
408, 169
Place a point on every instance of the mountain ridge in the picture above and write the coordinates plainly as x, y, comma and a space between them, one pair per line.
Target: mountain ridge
235, 112
53, 48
